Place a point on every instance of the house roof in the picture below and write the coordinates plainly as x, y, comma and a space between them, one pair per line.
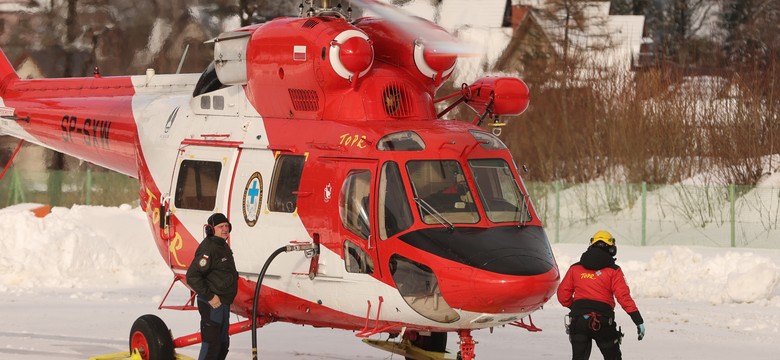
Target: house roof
610, 40
50, 61
15, 6
479, 22
455, 14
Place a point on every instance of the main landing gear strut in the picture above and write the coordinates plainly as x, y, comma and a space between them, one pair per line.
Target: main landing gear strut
467, 344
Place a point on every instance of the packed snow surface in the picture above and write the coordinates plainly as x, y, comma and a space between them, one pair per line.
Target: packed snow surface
74, 281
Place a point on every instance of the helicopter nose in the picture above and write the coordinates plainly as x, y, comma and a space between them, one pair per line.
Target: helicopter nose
495, 270
481, 291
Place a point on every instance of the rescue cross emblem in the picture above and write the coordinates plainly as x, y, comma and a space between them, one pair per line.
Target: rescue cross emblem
253, 197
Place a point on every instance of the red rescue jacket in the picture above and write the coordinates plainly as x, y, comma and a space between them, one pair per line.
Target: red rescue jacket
592, 285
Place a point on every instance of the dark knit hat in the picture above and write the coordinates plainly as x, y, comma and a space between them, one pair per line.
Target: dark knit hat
217, 218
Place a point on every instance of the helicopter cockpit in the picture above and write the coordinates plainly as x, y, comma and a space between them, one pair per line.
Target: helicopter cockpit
440, 188
460, 201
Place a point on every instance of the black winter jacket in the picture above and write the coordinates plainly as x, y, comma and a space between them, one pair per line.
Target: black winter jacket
213, 270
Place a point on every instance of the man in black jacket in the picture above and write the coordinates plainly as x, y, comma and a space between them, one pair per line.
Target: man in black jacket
213, 276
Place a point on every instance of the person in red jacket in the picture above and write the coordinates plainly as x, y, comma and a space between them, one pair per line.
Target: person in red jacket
589, 290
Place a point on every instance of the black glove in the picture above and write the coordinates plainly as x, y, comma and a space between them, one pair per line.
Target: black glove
640, 330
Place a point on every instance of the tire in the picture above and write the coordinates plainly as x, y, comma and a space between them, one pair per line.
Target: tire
437, 342
151, 337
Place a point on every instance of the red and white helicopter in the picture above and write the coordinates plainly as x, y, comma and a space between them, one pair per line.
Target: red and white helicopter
318, 133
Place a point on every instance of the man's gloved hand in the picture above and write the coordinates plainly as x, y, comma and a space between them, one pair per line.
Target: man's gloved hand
640, 330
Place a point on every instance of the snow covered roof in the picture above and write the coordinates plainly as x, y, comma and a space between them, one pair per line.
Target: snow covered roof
455, 14
478, 22
607, 40
11, 7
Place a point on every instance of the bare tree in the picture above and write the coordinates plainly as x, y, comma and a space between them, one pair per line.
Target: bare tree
682, 24
576, 27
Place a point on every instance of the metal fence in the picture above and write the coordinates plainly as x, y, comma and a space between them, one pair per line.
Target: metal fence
644, 214
66, 188
638, 214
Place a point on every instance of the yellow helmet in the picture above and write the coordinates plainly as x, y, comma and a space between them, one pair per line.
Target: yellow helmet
603, 236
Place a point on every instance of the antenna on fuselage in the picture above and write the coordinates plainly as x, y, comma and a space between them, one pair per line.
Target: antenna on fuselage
183, 55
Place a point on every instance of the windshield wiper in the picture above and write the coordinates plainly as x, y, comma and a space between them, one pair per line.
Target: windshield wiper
436, 215
523, 213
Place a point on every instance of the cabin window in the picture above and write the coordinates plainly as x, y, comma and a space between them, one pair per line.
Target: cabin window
354, 204
499, 192
219, 102
442, 193
196, 187
285, 183
356, 260
395, 215
205, 102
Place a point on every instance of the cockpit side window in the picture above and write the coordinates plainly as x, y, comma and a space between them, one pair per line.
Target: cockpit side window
354, 204
501, 197
356, 260
394, 212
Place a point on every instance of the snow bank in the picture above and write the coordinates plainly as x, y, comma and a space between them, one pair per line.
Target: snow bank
711, 275
86, 246
680, 273
105, 247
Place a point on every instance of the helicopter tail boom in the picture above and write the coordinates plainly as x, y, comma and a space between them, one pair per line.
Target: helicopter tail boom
88, 118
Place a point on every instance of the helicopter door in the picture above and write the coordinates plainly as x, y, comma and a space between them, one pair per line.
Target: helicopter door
264, 207
200, 186
356, 202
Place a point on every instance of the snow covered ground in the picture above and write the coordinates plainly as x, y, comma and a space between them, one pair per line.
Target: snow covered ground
73, 282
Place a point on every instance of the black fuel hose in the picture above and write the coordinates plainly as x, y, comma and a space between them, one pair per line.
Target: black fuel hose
257, 295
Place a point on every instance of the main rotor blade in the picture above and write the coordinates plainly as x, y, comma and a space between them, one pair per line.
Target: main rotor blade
431, 34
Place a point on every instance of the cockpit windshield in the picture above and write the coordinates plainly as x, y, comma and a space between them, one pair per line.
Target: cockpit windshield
442, 193
499, 192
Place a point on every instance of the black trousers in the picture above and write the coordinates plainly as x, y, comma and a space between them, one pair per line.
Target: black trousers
214, 325
584, 330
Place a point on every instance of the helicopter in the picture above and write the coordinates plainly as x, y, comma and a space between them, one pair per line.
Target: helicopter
318, 135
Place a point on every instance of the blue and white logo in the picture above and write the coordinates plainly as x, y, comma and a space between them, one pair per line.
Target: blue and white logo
253, 197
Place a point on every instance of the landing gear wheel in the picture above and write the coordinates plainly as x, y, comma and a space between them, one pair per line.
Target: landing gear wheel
437, 342
151, 338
